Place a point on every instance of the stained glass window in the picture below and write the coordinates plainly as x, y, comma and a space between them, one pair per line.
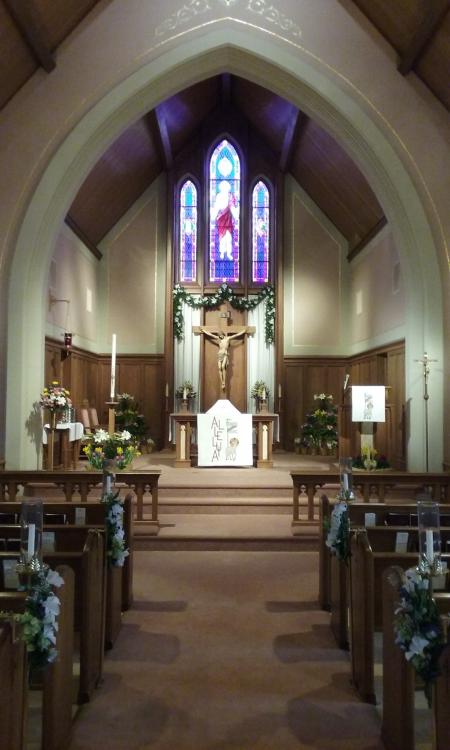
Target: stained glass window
260, 233
224, 213
188, 231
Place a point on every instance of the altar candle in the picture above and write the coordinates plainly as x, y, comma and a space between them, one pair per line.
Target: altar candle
429, 547
345, 482
264, 394
184, 394
279, 390
167, 390
113, 367
31, 539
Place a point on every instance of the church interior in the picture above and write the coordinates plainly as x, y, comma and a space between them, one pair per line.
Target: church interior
224, 285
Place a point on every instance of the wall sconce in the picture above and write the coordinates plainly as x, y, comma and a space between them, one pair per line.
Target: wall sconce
68, 341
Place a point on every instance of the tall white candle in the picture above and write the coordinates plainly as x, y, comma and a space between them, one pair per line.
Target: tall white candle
345, 482
279, 390
429, 547
264, 394
108, 484
113, 367
167, 390
31, 539
184, 394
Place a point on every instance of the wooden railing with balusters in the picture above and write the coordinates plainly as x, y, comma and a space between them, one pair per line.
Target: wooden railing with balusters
367, 485
79, 485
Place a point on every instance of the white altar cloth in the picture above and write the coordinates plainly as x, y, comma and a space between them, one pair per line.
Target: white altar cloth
76, 430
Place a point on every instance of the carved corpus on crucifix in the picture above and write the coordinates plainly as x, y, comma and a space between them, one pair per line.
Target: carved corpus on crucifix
222, 334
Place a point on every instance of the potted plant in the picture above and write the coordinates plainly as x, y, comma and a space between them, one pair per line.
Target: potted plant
319, 431
185, 391
129, 418
114, 451
260, 392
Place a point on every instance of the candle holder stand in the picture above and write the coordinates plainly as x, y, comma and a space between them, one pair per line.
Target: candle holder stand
112, 406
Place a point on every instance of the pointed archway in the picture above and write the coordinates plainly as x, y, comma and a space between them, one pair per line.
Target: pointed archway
321, 95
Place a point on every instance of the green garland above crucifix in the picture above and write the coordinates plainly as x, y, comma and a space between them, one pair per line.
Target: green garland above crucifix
224, 294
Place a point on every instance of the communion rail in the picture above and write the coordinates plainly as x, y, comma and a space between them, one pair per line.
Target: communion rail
368, 486
78, 485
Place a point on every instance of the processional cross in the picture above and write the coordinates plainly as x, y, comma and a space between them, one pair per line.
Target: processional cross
223, 333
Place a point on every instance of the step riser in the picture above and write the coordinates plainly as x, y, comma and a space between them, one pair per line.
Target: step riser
224, 509
225, 545
229, 492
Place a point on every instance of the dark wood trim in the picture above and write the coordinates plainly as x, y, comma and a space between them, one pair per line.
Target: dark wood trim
27, 19
291, 134
225, 90
336, 359
72, 224
365, 240
160, 131
434, 13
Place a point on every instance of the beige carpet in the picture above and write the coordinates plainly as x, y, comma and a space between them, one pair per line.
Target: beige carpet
226, 651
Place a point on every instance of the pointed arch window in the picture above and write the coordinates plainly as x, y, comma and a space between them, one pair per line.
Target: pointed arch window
261, 232
188, 231
224, 213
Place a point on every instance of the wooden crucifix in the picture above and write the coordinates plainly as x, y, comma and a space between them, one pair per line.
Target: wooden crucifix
223, 333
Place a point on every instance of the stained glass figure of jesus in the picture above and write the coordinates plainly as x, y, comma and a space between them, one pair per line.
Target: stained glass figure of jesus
224, 213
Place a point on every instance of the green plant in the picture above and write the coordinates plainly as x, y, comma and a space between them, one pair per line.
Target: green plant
320, 426
129, 418
260, 390
185, 390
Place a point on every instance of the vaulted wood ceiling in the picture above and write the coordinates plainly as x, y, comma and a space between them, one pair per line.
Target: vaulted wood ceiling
32, 30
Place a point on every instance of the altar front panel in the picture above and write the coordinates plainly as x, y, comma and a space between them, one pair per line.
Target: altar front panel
224, 440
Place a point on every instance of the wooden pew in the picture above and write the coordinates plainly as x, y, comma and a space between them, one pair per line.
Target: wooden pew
366, 603
92, 513
82, 484
399, 678
13, 671
58, 676
367, 485
88, 566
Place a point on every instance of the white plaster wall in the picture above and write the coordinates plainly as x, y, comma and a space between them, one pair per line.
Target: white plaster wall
73, 276
135, 263
377, 296
314, 275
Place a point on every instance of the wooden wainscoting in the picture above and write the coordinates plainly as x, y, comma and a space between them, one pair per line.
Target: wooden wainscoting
87, 376
306, 376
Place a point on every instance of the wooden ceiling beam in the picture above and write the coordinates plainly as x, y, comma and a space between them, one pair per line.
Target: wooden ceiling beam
291, 138
83, 237
158, 126
365, 240
432, 19
225, 90
27, 19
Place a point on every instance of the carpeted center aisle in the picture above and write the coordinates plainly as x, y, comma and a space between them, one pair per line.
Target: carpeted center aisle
226, 651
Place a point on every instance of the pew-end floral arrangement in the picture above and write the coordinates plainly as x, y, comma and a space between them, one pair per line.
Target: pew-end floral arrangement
39, 622
119, 447
338, 537
116, 545
418, 628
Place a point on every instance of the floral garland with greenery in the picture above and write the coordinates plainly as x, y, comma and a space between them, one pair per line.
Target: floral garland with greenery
119, 447
338, 528
115, 535
39, 621
225, 293
418, 628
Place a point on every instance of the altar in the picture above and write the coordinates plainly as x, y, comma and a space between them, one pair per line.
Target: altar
186, 440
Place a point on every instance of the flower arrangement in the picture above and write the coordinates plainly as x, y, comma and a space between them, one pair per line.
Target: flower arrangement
115, 536
320, 427
38, 622
55, 397
185, 390
370, 460
418, 627
338, 537
129, 418
119, 447
224, 293
260, 390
